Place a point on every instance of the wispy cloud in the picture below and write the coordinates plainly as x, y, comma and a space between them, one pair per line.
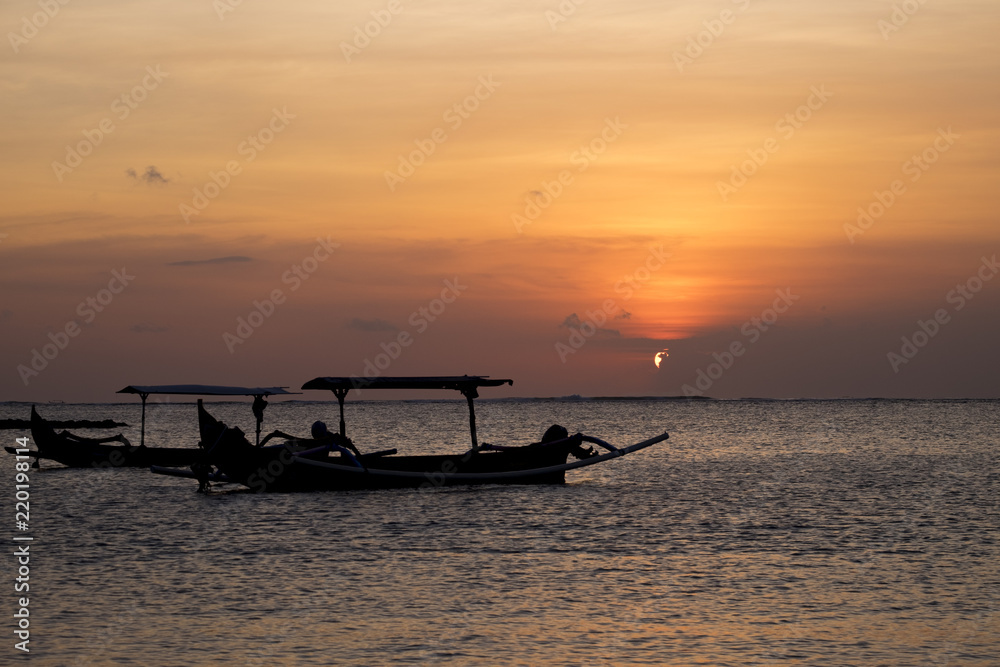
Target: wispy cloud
371, 325
152, 176
214, 260
573, 321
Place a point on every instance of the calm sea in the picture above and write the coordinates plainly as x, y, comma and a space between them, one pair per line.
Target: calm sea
761, 533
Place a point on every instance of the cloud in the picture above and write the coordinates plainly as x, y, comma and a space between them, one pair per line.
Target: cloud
151, 176
624, 315
371, 325
214, 260
573, 321
148, 328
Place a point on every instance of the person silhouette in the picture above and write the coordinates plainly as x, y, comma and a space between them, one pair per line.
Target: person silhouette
320, 432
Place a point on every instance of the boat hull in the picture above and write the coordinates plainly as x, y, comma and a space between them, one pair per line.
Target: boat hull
283, 468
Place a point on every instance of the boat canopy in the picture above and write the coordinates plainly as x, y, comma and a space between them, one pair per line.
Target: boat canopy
462, 383
467, 384
258, 394
203, 390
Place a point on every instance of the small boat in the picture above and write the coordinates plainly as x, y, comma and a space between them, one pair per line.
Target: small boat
81, 452
332, 463
77, 451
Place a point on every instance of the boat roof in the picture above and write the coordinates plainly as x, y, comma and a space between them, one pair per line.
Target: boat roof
461, 383
203, 390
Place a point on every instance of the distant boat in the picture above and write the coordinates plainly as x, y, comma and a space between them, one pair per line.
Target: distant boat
329, 464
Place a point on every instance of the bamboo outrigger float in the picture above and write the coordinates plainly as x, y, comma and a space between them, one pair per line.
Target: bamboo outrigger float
330, 463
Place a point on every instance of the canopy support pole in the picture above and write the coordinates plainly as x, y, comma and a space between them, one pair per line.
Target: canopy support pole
341, 394
471, 394
258, 412
142, 436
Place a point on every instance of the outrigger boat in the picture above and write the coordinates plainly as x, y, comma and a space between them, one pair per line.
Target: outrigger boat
77, 451
330, 463
81, 452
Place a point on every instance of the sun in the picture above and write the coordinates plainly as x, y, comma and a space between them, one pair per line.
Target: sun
659, 357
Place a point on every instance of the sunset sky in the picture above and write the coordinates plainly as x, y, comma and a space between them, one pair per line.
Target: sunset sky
565, 189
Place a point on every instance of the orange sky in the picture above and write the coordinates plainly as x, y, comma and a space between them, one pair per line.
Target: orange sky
666, 123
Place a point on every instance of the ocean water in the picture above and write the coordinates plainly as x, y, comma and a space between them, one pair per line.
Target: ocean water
762, 533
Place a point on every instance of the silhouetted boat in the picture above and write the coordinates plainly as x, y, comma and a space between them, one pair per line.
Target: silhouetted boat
77, 451
305, 465
81, 452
